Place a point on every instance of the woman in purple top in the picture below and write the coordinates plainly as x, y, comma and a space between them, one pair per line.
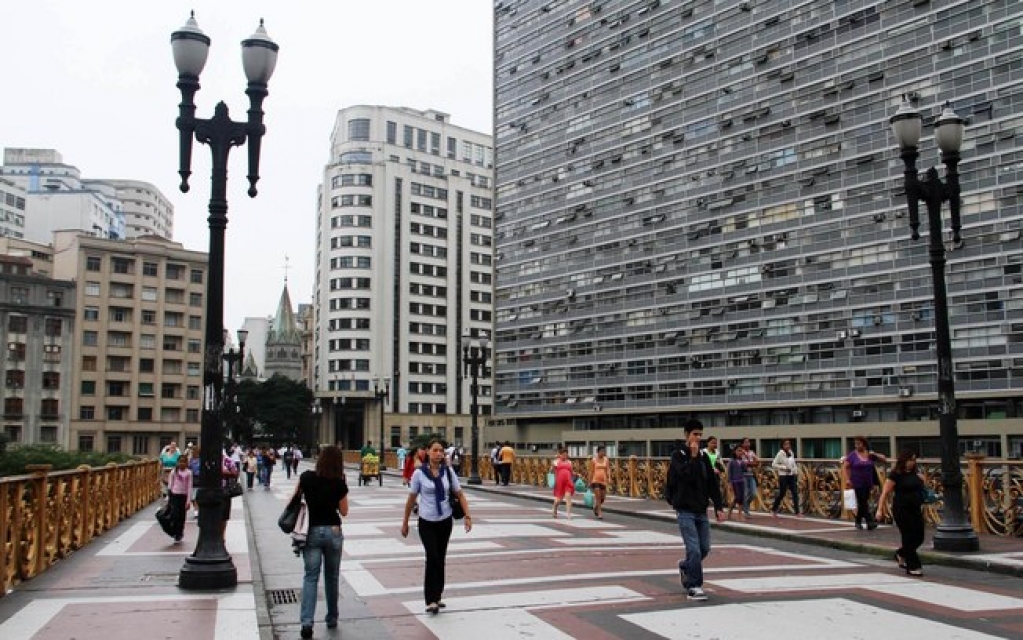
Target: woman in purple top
860, 474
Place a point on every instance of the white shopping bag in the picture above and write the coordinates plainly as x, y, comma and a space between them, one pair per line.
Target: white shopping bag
849, 498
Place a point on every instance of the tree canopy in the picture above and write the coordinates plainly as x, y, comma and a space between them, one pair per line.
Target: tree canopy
275, 411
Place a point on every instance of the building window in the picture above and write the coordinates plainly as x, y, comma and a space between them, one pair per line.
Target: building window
113, 444
91, 314
88, 363
51, 380
147, 341
121, 290
192, 392
52, 327
15, 379
140, 444
148, 316
17, 324
145, 389
195, 323
88, 387
48, 434
192, 415
149, 294
407, 137
90, 338
93, 263
92, 288
421, 139
197, 276
13, 407
195, 299
116, 413
150, 269
146, 365
86, 441
358, 129
168, 390
87, 412
392, 132
123, 265
175, 272
194, 345
193, 369
49, 408
13, 432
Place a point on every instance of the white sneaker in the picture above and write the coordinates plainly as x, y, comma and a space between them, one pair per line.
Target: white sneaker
697, 594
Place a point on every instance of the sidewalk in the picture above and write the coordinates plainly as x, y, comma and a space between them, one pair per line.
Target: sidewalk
997, 554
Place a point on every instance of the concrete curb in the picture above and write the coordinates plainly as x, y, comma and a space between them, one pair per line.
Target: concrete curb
263, 620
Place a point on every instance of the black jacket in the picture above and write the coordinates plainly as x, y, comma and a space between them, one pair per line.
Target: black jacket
692, 483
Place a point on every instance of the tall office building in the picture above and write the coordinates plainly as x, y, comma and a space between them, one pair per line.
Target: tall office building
138, 343
404, 269
700, 212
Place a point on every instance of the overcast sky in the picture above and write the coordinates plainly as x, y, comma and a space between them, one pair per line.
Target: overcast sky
96, 81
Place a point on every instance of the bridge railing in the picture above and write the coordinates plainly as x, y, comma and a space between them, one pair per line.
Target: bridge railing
992, 491
45, 516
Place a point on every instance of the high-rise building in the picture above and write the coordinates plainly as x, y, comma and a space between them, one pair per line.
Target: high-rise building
404, 269
138, 343
37, 322
700, 213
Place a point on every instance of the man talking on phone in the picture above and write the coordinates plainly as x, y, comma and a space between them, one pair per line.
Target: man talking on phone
692, 483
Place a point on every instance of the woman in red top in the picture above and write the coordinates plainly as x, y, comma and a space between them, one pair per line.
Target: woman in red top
563, 482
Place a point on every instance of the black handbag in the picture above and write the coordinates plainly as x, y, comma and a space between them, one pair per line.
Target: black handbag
165, 516
234, 488
457, 512
289, 518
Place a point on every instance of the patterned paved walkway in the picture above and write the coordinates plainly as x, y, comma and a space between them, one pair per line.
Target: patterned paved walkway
521, 573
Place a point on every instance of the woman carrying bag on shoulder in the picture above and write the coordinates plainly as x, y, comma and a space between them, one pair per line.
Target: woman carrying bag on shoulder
434, 484
326, 496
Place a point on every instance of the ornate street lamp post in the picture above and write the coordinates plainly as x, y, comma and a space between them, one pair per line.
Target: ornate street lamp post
381, 393
474, 362
234, 360
954, 533
314, 436
210, 566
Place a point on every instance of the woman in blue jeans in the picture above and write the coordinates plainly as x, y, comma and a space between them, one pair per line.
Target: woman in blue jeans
326, 496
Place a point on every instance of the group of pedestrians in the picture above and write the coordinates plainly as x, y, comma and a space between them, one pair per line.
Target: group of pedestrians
182, 471
566, 481
259, 463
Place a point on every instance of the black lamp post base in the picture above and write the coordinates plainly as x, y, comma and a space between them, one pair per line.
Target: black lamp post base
207, 574
955, 538
475, 479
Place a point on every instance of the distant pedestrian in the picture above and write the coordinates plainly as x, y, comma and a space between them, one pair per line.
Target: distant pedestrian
749, 475
401, 453
367, 450
326, 496
269, 461
600, 468
296, 457
907, 510
288, 458
691, 485
861, 475
179, 492
715, 456
432, 486
784, 464
736, 471
564, 482
495, 462
507, 462
168, 460
409, 466
251, 468
195, 466
457, 455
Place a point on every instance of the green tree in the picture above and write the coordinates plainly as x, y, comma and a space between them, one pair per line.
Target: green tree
280, 405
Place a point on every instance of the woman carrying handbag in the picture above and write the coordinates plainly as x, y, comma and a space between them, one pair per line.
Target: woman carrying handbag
436, 486
326, 496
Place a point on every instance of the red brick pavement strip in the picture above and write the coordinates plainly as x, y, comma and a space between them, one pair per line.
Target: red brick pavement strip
821, 532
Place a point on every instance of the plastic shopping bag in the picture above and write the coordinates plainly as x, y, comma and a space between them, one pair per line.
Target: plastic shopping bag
849, 499
580, 485
550, 479
588, 498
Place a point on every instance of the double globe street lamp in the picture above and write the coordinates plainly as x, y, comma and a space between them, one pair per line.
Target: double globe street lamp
210, 566
474, 362
954, 533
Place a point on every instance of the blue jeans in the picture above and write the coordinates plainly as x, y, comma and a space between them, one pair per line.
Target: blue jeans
751, 492
695, 530
323, 546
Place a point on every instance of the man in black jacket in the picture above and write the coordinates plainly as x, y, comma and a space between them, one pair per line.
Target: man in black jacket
691, 484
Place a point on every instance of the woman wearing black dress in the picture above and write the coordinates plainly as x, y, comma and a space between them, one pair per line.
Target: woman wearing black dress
907, 510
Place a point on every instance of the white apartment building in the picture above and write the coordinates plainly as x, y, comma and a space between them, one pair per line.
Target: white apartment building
59, 198
404, 269
12, 209
147, 212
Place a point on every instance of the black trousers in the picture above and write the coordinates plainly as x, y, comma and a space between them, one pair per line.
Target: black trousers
910, 522
506, 470
863, 511
435, 537
787, 483
179, 508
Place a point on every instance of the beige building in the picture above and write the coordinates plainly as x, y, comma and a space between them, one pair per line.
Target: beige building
37, 323
138, 342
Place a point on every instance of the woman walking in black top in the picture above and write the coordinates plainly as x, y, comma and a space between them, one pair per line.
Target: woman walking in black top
907, 510
326, 496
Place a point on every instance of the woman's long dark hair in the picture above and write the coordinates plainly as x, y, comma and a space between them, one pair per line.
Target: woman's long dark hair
903, 460
330, 463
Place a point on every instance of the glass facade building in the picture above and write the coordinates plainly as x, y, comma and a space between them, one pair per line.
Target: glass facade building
700, 211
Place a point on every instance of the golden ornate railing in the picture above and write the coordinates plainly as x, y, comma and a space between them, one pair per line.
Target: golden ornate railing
45, 516
995, 485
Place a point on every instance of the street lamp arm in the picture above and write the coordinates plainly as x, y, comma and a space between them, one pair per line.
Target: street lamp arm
255, 130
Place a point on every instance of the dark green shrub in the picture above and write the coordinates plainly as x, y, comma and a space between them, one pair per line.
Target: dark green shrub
14, 460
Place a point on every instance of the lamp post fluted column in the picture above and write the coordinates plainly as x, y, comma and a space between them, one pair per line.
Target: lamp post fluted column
382, 393
954, 533
210, 566
474, 362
